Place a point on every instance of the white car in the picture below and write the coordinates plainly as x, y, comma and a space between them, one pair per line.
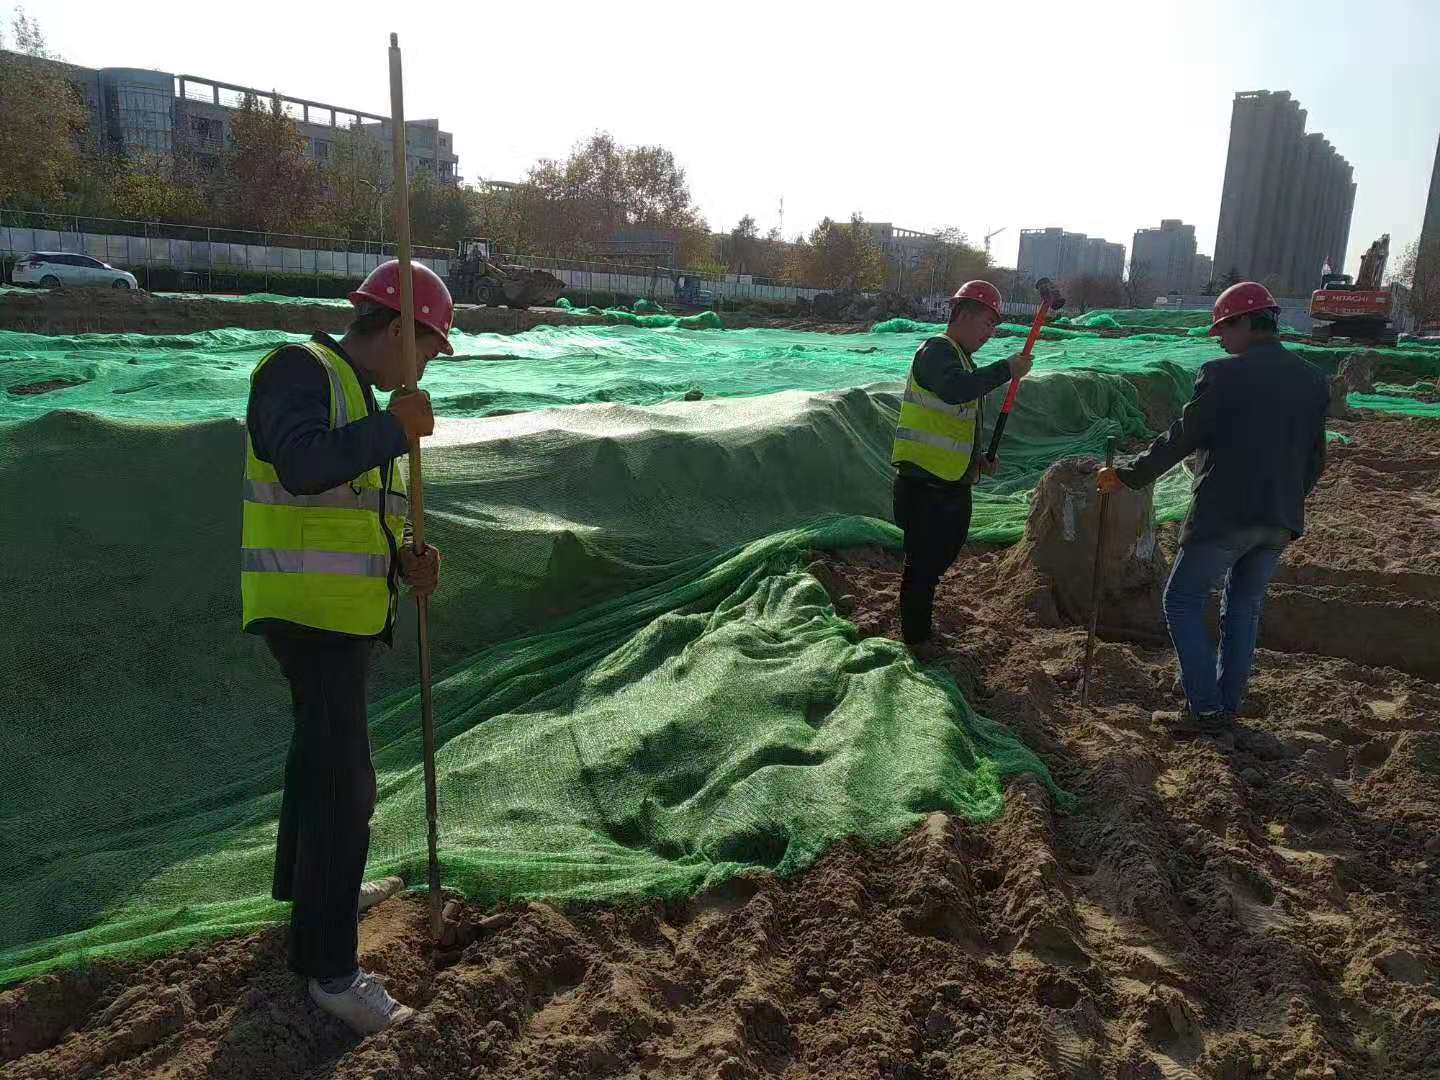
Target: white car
52, 269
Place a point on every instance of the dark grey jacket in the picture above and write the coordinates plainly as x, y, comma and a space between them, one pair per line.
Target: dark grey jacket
1256, 425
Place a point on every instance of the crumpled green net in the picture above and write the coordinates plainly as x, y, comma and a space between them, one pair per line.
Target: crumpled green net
646, 314
640, 690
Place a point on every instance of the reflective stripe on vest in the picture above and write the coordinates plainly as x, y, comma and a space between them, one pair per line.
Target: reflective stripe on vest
322, 560
933, 434
276, 561
273, 493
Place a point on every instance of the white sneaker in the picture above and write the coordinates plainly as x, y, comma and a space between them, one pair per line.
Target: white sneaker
372, 892
365, 1006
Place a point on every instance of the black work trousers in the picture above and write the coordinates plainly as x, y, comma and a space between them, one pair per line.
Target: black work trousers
935, 518
329, 796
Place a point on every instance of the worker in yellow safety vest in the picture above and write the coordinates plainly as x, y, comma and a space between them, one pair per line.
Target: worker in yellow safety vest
937, 451
322, 554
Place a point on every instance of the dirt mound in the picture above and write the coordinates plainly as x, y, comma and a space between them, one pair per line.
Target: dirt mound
1262, 906
1053, 565
113, 311
121, 311
1355, 375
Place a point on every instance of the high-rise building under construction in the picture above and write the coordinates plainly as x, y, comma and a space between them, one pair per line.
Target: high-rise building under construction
1285, 208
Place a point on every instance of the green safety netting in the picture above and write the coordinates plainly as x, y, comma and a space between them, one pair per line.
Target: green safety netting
608, 567
204, 375
711, 714
1173, 318
1401, 404
649, 315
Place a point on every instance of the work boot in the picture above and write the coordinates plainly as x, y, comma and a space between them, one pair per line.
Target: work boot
1255, 706
364, 1006
927, 651
1186, 722
372, 892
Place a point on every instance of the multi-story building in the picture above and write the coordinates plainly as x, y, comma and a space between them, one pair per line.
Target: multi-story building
1165, 255
902, 246
1204, 271
133, 111
1288, 196
1057, 254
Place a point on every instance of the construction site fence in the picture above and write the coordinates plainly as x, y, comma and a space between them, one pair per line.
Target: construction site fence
165, 256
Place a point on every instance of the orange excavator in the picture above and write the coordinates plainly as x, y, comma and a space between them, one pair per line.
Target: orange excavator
1358, 310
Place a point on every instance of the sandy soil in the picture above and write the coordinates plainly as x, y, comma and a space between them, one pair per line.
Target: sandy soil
1261, 905
102, 311
110, 311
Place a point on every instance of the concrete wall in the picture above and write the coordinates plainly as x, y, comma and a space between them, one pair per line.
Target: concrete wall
135, 252
662, 287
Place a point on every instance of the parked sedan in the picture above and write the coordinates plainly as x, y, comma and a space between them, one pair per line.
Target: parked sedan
53, 269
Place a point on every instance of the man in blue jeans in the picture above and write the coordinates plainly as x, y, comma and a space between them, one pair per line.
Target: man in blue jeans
1256, 425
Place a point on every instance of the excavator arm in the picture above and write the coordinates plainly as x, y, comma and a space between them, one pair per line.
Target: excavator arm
1372, 264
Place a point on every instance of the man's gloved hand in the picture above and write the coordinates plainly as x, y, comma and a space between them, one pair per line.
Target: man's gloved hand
1108, 481
1020, 365
987, 465
420, 571
414, 413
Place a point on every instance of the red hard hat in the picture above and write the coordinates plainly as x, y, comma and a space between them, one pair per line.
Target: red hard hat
433, 307
981, 291
1240, 299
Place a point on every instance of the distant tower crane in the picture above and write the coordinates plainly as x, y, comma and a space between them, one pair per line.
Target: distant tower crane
988, 235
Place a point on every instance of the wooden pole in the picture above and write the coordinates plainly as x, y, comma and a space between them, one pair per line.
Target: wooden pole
401, 189
1095, 587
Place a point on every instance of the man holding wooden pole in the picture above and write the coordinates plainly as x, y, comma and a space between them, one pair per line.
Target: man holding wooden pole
324, 549
325, 543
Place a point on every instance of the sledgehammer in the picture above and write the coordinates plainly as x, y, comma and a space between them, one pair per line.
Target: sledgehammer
1050, 300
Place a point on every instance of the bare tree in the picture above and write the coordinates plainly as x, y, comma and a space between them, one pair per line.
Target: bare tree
1086, 291
1139, 290
949, 260
1419, 273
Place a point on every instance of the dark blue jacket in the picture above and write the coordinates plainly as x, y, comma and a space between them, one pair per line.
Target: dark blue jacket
1256, 425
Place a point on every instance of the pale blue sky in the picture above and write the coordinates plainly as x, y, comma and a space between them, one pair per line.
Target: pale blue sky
1101, 117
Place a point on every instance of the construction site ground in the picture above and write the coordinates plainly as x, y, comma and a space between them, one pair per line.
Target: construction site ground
1259, 904
110, 311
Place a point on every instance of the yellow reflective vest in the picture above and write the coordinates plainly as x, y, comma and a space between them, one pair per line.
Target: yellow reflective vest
322, 561
933, 434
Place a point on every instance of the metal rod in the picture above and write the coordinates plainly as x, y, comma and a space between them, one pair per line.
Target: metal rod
1095, 581
401, 192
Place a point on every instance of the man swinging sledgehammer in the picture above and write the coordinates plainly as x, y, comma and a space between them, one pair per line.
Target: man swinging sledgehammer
937, 452
322, 553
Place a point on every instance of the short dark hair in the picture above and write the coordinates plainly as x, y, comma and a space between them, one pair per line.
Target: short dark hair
371, 318
967, 307
1264, 322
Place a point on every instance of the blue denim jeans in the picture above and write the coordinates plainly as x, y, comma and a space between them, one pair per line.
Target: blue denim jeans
1246, 559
